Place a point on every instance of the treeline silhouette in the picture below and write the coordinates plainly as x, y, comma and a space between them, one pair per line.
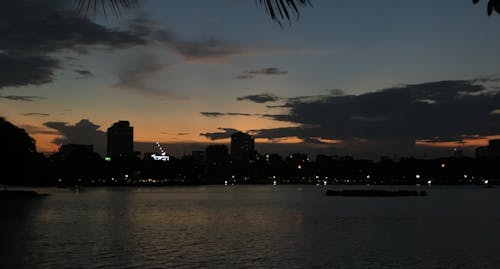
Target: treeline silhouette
22, 165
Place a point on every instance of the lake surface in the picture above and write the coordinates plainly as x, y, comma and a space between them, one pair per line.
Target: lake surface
251, 227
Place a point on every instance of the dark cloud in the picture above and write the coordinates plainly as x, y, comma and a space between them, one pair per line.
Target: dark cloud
23, 98
259, 98
225, 133
221, 114
83, 132
207, 48
264, 71
36, 114
391, 120
38, 27
287, 102
84, 73
241, 114
18, 70
452, 109
33, 30
212, 114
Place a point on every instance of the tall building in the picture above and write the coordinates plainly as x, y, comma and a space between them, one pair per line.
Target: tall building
242, 146
121, 140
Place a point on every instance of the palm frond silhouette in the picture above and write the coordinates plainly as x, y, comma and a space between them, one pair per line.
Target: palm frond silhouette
278, 10
492, 5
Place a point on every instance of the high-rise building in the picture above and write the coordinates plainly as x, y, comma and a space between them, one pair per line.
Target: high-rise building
121, 140
242, 146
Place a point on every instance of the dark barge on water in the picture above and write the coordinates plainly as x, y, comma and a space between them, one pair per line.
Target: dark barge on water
375, 193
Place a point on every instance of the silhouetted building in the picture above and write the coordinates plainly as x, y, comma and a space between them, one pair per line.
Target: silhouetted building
242, 146
121, 140
198, 155
68, 150
217, 154
490, 151
494, 146
297, 158
458, 153
482, 152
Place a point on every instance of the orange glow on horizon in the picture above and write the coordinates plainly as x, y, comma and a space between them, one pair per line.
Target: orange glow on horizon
473, 142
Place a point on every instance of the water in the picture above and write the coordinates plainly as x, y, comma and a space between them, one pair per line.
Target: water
251, 227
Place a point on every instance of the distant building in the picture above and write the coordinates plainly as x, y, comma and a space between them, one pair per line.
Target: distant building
297, 158
482, 152
494, 147
242, 146
68, 150
490, 151
121, 140
198, 155
216, 155
458, 153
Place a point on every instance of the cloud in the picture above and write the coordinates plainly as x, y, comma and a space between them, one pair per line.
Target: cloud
23, 98
460, 108
221, 114
225, 133
198, 49
208, 48
272, 71
83, 132
33, 30
136, 79
36, 114
84, 73
269, 97
259, 98
212, 114
16, 71
32, 130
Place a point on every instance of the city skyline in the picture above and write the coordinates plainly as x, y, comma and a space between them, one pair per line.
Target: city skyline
364, 79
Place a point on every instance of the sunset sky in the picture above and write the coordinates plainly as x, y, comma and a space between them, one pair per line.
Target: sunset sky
366, 78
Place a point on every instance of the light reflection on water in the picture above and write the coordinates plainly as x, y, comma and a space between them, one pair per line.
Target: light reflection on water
251, 227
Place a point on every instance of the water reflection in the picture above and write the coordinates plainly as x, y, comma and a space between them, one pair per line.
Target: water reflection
251, 226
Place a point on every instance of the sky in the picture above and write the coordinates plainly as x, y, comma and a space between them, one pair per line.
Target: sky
363, 78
